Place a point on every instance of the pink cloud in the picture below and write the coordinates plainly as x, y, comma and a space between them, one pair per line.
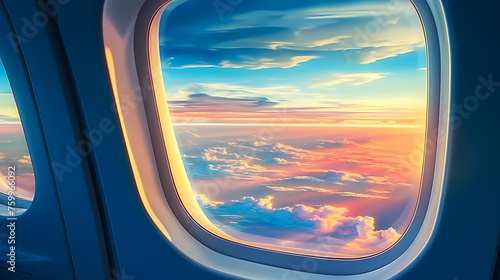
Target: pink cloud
326, 227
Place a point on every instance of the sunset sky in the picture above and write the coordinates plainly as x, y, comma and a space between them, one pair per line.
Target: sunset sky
13, 149
296, 119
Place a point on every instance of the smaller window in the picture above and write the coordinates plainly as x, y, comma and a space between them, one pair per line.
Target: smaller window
17, 179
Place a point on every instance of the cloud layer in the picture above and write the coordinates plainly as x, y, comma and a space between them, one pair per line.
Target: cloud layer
326, 227
226, 103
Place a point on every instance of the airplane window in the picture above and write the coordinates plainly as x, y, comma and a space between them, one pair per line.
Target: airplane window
300, 125
17, 179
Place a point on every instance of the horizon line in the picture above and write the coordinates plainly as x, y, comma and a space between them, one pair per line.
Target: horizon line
301, 125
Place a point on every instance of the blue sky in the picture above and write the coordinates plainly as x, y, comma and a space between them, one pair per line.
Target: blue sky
4, 82
8, 109
361, 52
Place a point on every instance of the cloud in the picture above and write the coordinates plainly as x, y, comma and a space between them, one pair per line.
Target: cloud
324, 225
205, 100
324, 190
264, 63
24, 186
229, 98
378, 191
235, 165
4, 187
296, 153
256, 161
298, 14
6, 119
202, 106
237, 58
211, 154
345, 12
241, 91
384, 52
252, 160
361, 195
305, 179
281, 104
328, 41
382, 180
334, 143
350, 79
25, 160
301, 189
284, 167
281, 161
244, 159
368, 238
344, 176
330, 176
339, 167
274, 151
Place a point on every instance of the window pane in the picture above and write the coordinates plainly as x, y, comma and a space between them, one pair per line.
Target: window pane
17, 183
301, 124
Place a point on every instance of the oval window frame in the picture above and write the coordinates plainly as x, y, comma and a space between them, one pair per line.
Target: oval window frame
438, 116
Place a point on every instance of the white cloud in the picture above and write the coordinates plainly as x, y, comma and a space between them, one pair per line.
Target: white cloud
325, 225
264, 63
233, 90
378, 191
328, 41
25, 160
323, 190
384, 52
351, 79
238, 166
